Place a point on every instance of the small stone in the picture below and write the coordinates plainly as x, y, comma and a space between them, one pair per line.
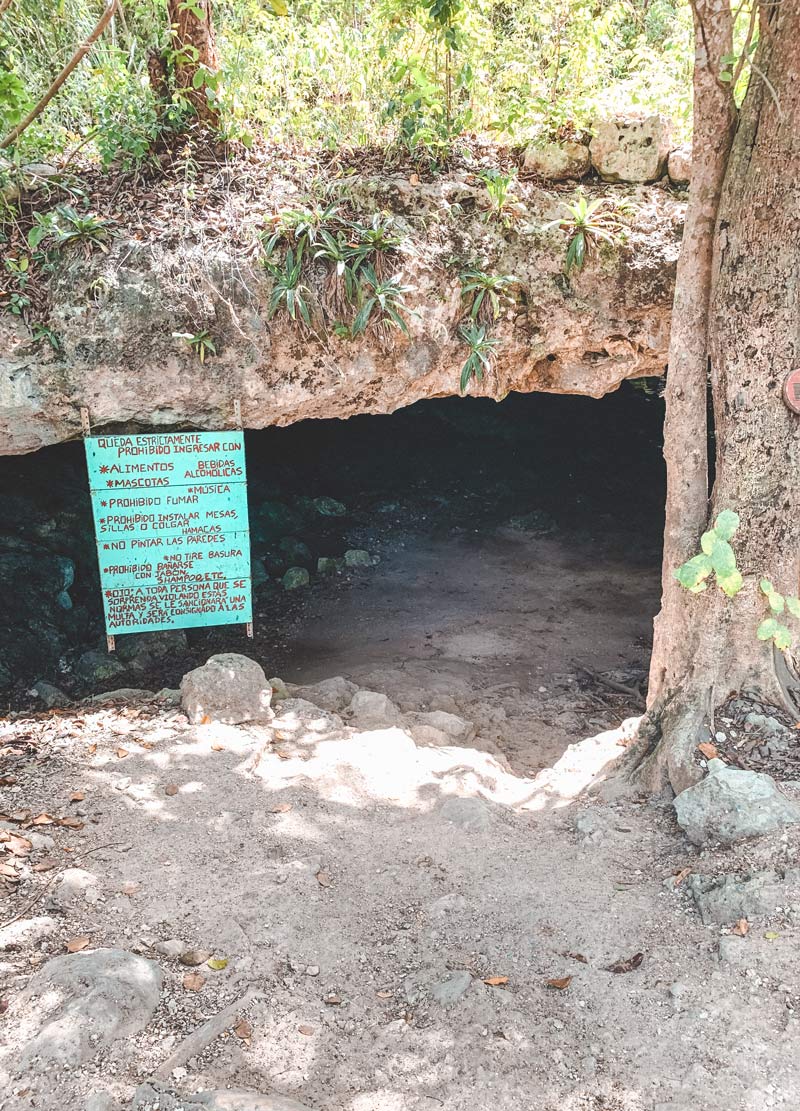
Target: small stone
455, 727
50, 695
370, 708
312, 970
73, 884
357, 557
295, 578
452, 903
331, 694
470, 813
327, 565
679, 165
228, 688
590, 826
329, 507
279, 689
173, 947
449, 991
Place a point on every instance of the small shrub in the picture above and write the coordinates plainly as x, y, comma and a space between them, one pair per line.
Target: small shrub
481, 352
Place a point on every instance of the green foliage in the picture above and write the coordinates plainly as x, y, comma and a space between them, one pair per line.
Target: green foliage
588, 223
718, 558
484, 293
415, 75
382, 303
201, 342
481, 352
76, 229
500, 192
289, 294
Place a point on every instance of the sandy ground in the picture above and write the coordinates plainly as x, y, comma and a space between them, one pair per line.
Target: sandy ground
370, 890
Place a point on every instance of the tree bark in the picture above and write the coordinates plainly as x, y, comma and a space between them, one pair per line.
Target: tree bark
196, 49
705, 646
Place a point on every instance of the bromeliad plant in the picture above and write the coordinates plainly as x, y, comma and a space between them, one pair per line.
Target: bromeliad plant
481, 353
289, 293
588, 223
484, 293
383, 302
73, 229
202, 342
718, 559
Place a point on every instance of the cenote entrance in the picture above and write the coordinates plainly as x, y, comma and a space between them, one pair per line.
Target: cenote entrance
512, 550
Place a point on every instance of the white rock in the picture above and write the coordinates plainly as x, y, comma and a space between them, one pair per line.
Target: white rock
229, 688
679, 165
172, 947
634, 150
82, 1002
371, 709
558, 161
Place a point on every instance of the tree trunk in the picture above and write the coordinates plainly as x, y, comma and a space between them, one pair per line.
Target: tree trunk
196, 52
706, 646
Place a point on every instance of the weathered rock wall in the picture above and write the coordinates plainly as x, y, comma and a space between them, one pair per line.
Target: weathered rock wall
116, 314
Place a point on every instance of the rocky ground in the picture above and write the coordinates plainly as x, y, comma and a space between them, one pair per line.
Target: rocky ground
355, 906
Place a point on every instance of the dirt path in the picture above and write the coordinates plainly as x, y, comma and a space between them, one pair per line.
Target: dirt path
398, 910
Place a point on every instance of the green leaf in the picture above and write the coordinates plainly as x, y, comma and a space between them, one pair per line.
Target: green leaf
217, 963
692, 572
776, 602
768, 628
726, 524
707, 540
766, 587
731, 584
783, 638
793, 606
723, 559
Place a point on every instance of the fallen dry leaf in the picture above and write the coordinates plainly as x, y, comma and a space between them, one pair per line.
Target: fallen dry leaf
77, 796
205, 720
92, 749
332, 1000
384, 994
741, 928
217, 748
171, 789
122, 753
307, 1030
413, 179
575, 957
70, 823
323, 879
282, 754
281, 808
18, 845
8, 870
130, 887
43, 820
495, 981
78, 943
20, 816
193, 981
708, 750
681, 875
194, 957
560, 983
217, 963
628, 965
243, 1030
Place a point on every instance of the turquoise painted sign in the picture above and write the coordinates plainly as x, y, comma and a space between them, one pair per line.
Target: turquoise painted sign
173, 537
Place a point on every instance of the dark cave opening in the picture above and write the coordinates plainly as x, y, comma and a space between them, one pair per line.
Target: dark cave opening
515, 538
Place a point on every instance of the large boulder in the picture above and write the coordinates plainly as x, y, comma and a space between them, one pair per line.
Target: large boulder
82, 1002
633, 150
229, 688
679, 165
558, 161
730, 804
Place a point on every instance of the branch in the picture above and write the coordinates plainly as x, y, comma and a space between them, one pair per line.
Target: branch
77, 57
743, 56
